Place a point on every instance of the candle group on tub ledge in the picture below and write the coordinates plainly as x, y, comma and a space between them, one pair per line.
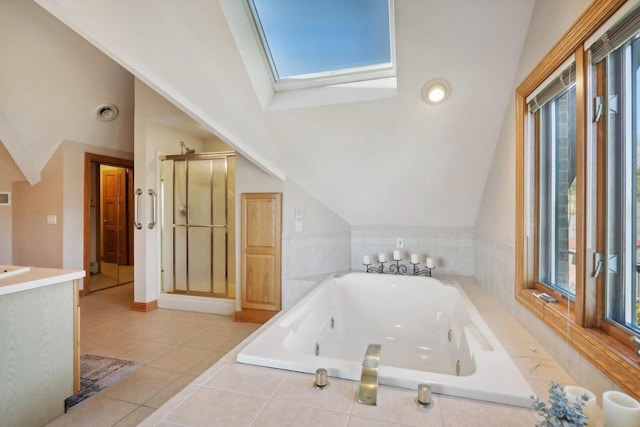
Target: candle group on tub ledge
396, 267
619, 409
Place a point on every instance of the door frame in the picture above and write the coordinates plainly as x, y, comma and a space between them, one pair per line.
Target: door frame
99, 159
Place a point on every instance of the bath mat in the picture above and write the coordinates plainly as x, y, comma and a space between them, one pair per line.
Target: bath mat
98, 373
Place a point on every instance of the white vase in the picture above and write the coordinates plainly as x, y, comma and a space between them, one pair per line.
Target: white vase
620, 410
590, 409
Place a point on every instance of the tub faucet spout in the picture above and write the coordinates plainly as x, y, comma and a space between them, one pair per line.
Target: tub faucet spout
368, 390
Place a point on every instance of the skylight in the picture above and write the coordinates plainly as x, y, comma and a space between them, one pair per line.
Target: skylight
320, 42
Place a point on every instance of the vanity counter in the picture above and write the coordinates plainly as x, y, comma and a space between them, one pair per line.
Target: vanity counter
37, 278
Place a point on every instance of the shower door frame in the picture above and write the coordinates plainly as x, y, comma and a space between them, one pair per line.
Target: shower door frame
187, 158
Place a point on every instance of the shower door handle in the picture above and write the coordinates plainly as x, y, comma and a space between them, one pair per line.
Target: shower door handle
154, 198
136, 211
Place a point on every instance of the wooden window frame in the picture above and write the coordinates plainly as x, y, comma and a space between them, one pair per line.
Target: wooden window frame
578, 323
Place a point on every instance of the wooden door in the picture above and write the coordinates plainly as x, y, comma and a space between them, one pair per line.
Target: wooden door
261, 251
115, 242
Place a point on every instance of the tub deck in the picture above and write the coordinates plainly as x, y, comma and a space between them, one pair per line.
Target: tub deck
245, 395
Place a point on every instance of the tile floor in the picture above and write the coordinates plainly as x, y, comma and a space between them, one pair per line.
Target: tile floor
192, 382
175, 346
233, 394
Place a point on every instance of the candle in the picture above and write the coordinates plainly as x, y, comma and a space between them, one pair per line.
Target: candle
430, 263
620, 410
397, 256
414, 259
382, 257
366, 260
590, 408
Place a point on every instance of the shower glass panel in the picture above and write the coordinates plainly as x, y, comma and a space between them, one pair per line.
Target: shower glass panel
197, 236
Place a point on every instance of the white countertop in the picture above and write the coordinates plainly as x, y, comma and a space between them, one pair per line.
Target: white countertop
37, 278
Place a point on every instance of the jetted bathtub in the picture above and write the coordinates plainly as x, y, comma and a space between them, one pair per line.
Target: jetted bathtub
429, 332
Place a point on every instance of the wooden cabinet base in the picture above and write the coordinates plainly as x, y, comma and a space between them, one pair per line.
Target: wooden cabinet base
253, 316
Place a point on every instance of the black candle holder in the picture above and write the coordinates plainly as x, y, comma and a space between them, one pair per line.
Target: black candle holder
426, 272
379, 269
397, 268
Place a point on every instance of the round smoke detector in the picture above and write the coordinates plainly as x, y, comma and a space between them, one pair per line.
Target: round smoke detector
106, 112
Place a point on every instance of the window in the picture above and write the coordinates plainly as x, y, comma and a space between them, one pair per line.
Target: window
556, 132
314, 43
577, 189
619, 174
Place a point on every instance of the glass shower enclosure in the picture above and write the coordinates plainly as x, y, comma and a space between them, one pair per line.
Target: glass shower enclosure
198, 224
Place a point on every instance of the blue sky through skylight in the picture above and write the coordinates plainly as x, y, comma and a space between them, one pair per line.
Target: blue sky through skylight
314, 36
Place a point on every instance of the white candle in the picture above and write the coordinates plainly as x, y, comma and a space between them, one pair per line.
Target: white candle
397, 256
590, 408
382, 257
366, 260
620, 410
430, 263
414, 258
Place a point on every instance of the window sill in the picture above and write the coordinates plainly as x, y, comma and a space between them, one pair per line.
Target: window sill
610, 356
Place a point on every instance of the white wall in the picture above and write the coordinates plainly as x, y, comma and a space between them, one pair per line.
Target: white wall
496, 217
373, 162
495, 225
322, 247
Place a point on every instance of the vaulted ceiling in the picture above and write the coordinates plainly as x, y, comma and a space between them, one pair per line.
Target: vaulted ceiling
393, 161
51, 82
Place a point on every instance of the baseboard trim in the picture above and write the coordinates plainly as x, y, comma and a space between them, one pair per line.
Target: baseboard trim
253, 316
144, 306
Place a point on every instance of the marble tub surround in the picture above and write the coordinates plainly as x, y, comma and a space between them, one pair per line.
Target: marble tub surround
495, 271
452, 249
229, 393
307, 257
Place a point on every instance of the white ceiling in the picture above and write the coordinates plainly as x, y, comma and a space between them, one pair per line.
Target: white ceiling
51, 82
395, 161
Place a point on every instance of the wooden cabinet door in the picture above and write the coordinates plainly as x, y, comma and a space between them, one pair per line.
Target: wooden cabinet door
261, 251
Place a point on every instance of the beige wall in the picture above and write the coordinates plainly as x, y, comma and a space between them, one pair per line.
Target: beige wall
5, 225
73, 198
35, 242
60, 193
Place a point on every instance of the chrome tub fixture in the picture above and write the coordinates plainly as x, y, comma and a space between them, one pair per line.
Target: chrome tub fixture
423, 399
368, 390
322, 380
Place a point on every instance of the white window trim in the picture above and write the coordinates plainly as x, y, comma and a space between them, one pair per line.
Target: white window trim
289, 93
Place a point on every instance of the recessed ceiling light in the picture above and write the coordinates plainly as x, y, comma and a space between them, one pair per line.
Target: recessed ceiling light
107, 112
436, 91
